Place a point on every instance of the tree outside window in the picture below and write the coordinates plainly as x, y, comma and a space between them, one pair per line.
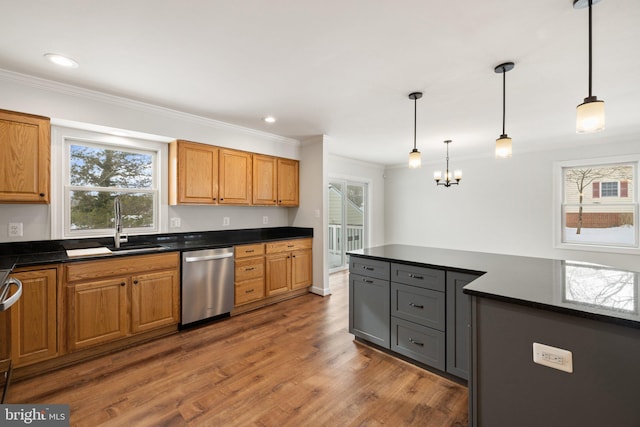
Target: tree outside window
599, 205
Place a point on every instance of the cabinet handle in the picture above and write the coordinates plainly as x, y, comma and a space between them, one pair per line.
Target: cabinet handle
367, 281
214, 198
249, 251
413, 276
249, 268
135, 282
418, 343
41, 194
221, 199
368, 268
416, 305
274, 201
279, 201
122, 284
294, 256
290, 246
248, 291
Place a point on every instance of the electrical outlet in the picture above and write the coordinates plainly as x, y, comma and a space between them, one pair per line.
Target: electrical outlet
15, 229
553, 357
225, 220
174, 223
265, 220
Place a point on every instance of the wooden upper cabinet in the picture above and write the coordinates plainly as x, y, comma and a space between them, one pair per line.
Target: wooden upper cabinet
25, 146
193, 173
265, 180
235, 177
288, 184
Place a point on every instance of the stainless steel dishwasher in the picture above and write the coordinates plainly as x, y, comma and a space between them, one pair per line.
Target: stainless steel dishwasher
207, 284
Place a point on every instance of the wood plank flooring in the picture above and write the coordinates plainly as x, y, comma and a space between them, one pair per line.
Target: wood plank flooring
290, 364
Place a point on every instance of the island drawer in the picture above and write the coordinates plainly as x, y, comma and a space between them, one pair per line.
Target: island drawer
419, 305
418, 342
369, 267
429, 278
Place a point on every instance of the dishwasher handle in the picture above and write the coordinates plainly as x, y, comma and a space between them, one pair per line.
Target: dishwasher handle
6, 303
207, 257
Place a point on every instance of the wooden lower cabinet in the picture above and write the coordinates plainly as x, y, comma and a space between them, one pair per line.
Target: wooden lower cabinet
289, 265
33, 319
112, 299
301, 269
278, 278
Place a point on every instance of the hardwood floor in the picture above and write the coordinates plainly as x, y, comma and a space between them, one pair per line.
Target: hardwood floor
290, 364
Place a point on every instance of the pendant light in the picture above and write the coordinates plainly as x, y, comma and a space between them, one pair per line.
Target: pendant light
448, 181
414, 156
503, 144
589, 114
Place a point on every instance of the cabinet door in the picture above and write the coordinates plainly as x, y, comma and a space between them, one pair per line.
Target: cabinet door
97, 312
278, 278
235, 177
34, 318
154, 300
288, 184
301, 269
265, 180
193, 173
369, 309
25, 142
458, 324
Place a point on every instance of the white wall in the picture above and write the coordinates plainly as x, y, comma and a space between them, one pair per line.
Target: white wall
373, 175
65, 104
501, 206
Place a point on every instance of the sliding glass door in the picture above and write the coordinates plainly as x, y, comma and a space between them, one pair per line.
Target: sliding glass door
347, 220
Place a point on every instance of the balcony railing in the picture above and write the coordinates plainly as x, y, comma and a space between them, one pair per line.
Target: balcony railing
355, 238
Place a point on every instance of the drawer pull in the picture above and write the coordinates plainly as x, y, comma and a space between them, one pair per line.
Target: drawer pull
367, 281
418, 343
249, 268
248, 291
249, 251
416, 305
413, 276
290, 246
368, 268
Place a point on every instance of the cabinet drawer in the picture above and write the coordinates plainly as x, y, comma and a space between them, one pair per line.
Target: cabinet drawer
289, 245
418, 342
87, 270
244, 251
249, 290
249, 268
429, 278
369, 267
419, 305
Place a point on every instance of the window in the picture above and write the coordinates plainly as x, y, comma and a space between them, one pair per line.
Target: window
599, 205
96, 168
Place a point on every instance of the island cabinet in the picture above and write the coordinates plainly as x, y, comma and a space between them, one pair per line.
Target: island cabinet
369, 300
34, 319
249, 273
193, 173
25, 146
289, 265
112, 299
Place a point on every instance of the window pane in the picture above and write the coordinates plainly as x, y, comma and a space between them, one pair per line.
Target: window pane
91, 210
609, 189
607, 224
102, 167
601, 286
588, 184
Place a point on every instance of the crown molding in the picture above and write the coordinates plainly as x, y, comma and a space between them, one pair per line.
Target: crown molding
67, 89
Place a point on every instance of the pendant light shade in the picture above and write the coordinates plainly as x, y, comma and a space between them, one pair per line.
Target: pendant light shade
415, 159
589, 114
503, 143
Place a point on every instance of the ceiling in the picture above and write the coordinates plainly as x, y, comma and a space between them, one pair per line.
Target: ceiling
345, 68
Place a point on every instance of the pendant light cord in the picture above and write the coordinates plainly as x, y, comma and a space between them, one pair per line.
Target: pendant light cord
415, 119
504, 97
590, 48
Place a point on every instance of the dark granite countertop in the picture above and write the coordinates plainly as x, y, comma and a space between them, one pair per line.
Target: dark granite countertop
583, 289
23, 254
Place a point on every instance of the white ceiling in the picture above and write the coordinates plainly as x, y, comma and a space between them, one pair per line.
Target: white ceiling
344, 68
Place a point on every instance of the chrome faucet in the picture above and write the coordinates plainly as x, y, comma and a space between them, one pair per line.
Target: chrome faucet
118, 238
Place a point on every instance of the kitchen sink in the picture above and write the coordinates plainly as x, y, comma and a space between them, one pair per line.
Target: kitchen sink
135, 249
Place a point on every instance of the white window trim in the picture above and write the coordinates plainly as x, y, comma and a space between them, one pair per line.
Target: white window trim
558, 195
59, 172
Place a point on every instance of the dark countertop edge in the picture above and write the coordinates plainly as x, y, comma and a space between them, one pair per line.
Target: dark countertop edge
556, 309
178, 244
621, 321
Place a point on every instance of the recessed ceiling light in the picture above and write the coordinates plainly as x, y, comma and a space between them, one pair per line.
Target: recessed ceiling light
269, 119
60, 60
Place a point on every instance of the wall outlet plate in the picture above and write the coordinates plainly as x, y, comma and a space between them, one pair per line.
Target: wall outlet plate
553, 357
15, 229
226, 220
